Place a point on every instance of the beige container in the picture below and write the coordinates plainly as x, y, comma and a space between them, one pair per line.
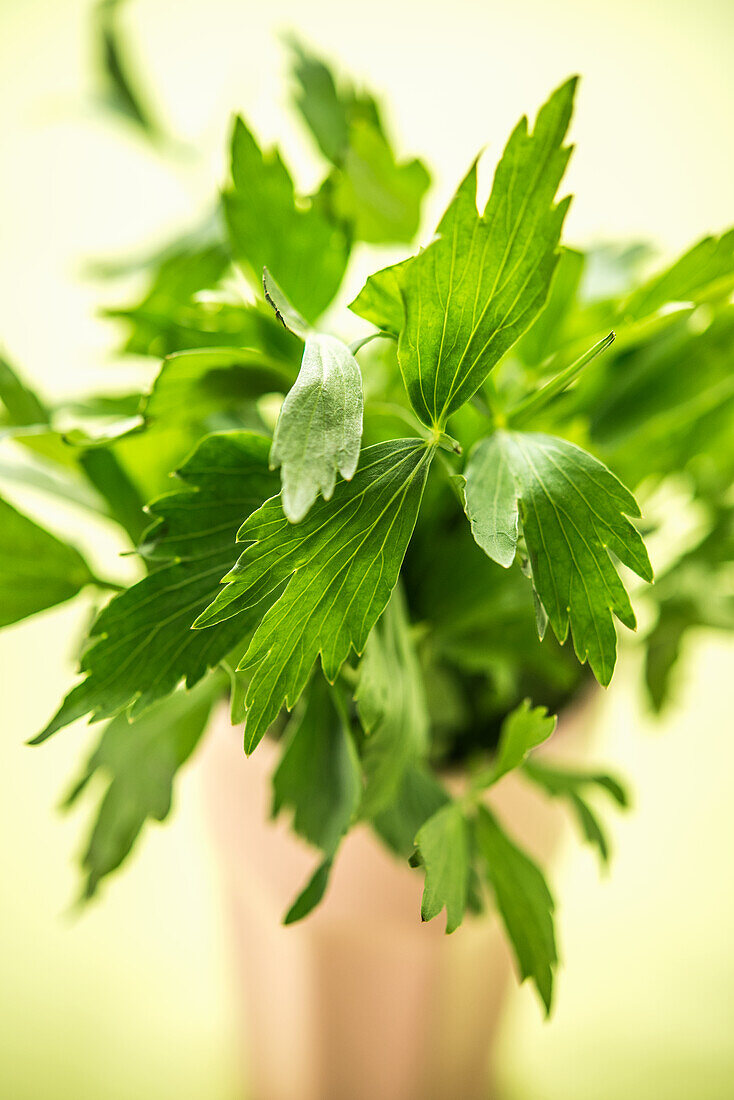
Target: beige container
361, 1001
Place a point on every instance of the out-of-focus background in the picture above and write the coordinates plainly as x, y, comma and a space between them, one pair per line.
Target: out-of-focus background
135, 997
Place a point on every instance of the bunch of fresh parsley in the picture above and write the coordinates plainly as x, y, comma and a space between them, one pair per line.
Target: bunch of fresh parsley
367, 544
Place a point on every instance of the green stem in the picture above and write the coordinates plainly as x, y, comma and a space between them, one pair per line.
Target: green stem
359, 344
529, 406
101, 582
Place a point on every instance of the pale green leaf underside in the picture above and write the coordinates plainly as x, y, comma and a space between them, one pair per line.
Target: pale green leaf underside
333, 575
481, 283
574, 515
490, 501
320, 425
524, 902
443, 844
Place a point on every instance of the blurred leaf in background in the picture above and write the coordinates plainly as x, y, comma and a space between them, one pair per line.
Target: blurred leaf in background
139, 759
380, 197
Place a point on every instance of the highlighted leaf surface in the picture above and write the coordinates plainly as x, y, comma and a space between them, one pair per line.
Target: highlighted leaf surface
338, 567
468, 297
574, 514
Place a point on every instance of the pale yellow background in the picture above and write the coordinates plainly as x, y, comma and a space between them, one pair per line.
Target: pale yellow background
133, 999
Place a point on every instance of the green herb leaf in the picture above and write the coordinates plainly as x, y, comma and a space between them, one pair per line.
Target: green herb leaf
22, 407
380, 300
703, 273
319, 776
524, 902
695, 592
26, 419
192, 385
591, 828
312, 894
115, 494
204, 321
328, 110
116, 488
167, 306
289, 317
392, 706
142, 642
663, 649
418, 797
572, 786
140, 760
121, 83
37, 570
319, 429
468, 297
527, 409
378, 196
558, 781
338, 566
652, 413
443, 846
306, 252
523, 729
547, 332
573, 515
320, 779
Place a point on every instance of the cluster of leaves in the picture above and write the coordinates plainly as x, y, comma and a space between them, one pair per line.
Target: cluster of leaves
334, 549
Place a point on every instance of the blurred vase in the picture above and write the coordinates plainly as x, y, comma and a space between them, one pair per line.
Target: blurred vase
361, 1001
